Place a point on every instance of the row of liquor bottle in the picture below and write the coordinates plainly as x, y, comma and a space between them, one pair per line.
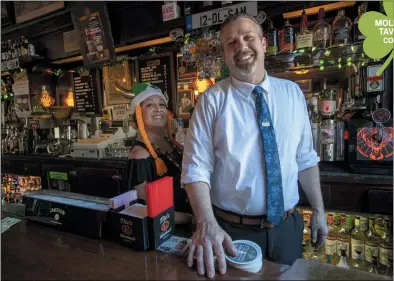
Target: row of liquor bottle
353, 241
341, 32
363, 84
16, 48
13, 186
14, 141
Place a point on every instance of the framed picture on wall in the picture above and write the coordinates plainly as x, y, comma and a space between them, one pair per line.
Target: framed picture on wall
185, 102
28, 10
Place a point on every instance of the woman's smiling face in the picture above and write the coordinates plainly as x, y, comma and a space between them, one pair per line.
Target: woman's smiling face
154, 112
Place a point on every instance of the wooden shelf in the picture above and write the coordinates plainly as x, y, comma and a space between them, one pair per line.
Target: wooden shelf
126, 48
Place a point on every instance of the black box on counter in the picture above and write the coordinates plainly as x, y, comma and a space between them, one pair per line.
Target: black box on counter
82, 214
129, 226
139, 226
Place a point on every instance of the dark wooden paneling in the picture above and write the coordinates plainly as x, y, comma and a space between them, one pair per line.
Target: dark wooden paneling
29, 168
98, 181
325, 188
347, 197
380, 201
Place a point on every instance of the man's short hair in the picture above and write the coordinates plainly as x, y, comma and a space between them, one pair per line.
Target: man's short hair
237, 16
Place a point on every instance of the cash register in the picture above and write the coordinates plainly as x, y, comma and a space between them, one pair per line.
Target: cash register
95, 147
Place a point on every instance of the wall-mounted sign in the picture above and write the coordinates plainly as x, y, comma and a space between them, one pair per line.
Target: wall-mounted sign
170, 11
159, 71
92, 24
218, 16
119, 112
87, 92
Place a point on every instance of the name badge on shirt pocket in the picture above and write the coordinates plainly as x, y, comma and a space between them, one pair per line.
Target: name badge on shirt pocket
265, 124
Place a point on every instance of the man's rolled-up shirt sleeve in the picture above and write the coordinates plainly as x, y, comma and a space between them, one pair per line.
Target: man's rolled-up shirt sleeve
198, 155
306, 154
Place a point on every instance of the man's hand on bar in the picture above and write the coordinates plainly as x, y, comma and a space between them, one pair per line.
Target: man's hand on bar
319, 228
210, 241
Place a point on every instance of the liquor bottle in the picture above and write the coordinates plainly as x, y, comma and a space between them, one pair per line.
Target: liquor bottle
271, 34
287, 38
25, 47
343, 262
379, 225
386, 246
304, 39
357, 35
226, 3
374, 266
24, 140
2, 51
19, 48
4, 142
343, 237
321, 32
306, 233
315, 108
12, 49
180, 133
389, 268
328, 104
357, 240
9, 49
357, 262
341, 29
15, 141
363, 224
318, 255
330, 248
304, 254
371, 247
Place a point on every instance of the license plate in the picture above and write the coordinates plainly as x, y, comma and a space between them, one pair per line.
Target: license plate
9, 64
218, 16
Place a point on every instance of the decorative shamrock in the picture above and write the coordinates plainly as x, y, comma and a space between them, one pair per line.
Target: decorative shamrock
379, 31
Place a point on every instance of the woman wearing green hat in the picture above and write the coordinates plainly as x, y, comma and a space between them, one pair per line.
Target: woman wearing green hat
155, 152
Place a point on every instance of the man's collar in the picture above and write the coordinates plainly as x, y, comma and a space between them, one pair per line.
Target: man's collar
246, 88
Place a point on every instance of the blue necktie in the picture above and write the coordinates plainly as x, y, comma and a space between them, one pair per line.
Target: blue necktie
274, 190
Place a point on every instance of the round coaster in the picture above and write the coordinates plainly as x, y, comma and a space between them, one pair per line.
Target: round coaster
248, 252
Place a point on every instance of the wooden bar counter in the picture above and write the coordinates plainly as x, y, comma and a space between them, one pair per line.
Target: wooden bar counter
31, 251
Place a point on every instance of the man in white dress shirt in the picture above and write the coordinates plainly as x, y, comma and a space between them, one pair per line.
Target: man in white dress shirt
224, 168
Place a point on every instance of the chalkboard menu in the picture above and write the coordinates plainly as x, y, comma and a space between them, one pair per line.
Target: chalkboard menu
87, 92
159, 71
91, 21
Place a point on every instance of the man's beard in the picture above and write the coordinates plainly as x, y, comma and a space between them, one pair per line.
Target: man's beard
245, 68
